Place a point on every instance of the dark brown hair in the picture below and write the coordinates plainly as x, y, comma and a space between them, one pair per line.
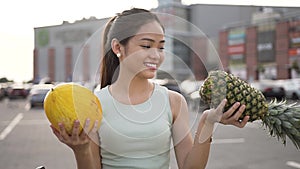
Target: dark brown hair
123, 26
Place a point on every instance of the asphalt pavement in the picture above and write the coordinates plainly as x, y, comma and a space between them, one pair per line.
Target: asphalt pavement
26, 142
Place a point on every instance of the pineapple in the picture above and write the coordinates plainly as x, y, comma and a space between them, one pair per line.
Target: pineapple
280, 118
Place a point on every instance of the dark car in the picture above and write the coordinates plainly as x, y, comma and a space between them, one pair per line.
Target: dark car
2, 92
38, 93
273, 89
17, 91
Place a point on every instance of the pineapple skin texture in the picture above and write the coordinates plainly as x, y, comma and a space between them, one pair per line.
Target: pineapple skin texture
68, 102
281, 119
220, 85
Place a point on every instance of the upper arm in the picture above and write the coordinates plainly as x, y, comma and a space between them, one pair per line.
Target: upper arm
181, 130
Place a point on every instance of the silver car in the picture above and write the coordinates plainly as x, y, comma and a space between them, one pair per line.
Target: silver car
38, 93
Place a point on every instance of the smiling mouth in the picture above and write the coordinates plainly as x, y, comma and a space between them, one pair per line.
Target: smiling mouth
151, 66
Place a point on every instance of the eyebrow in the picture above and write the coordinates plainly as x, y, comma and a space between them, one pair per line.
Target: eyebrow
151, 40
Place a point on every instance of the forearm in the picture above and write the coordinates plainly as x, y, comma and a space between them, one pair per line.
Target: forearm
197, 158
86, 160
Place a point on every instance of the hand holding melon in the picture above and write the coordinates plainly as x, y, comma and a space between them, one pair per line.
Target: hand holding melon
68, 102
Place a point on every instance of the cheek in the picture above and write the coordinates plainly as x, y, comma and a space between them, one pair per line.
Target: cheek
133, 63
161, 59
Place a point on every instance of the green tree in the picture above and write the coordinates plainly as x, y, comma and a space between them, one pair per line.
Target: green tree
4, 80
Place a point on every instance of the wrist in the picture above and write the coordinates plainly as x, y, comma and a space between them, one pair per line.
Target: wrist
202, 138
208, 119
203, 141
81, 150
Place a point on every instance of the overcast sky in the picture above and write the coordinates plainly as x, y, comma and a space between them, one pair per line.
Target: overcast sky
19, 17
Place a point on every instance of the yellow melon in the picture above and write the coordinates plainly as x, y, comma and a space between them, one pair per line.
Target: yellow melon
68, 102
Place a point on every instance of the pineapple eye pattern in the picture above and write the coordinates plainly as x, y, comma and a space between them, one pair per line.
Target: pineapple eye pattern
281, 119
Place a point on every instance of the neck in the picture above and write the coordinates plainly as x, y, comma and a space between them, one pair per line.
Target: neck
133, 85
133, 91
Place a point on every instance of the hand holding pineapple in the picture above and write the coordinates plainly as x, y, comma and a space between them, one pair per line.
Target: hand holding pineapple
231, 116
217, 115
282, 120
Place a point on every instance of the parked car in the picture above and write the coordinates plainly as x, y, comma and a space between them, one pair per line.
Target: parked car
38, 93
16, 91
272, 89
291, 87
2, 92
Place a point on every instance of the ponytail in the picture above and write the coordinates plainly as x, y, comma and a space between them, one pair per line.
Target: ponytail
110, 62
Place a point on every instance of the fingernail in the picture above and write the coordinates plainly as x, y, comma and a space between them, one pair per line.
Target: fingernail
76, 121
60, 125
87, 121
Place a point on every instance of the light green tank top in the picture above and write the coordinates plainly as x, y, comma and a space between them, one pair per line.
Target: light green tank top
136, 136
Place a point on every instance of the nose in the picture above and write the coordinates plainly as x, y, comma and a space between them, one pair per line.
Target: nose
155, 53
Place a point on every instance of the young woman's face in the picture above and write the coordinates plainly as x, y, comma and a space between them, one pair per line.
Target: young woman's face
144, 52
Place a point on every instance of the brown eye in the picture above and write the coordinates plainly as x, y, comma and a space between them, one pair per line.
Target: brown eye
146, 46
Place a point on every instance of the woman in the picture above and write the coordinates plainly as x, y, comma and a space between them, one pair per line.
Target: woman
140, 118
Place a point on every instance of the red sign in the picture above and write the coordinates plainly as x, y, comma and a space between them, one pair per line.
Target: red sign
294, 51
236, 49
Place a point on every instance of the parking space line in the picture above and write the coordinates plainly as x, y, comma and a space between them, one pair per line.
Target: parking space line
11, 126
293, 164
228, 141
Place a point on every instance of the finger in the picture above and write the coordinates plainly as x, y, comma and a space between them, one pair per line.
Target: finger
221, 106
95, 128
231, 110
63, 131
85, 129
244, 122
56, 133
53, 128
75, 130
237, 115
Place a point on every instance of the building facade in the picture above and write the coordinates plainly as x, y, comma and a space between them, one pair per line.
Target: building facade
265, 48
68, 52
199, 38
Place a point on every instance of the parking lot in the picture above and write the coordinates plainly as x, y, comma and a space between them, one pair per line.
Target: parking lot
26, 142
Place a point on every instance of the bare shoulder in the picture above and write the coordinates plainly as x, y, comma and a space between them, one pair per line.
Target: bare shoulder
175, 97
177, 103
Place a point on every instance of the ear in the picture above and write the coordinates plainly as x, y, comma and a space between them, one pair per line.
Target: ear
115, 46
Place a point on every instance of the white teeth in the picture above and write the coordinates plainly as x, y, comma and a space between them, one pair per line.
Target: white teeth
150, 65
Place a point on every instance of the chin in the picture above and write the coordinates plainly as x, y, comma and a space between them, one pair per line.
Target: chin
148, 75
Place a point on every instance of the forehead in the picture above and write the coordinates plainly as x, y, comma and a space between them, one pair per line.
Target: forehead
151, 28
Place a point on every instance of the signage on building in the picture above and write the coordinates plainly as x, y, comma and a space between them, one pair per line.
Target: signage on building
43, 37
294, 38
73, 35
236, 49
236, 45
295, 42
265, 46
236, 33
294, 51
235, 41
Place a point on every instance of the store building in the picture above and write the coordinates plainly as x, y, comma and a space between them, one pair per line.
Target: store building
68, 52
199, 38
265, 48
